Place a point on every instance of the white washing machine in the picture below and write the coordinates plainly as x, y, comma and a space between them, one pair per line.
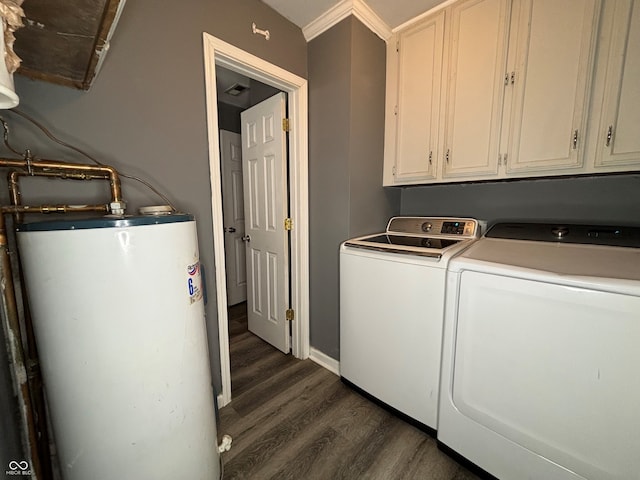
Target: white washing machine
541, 353
391, 311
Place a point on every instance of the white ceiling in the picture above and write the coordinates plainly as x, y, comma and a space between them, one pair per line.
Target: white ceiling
303, 12
392, 12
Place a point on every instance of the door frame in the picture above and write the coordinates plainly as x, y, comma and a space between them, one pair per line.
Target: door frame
218, 52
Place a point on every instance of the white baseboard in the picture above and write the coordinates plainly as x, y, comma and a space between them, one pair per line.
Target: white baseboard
221, 401
324, 360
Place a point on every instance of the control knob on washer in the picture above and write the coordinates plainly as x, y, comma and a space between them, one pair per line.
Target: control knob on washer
560, 232
426, 226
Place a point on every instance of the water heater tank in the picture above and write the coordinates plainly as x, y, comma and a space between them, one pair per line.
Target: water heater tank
118, 315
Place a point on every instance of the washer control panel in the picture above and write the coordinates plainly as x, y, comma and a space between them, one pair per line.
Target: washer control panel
434, 226
457, 228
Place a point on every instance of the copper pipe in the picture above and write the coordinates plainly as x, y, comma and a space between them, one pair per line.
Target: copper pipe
14, 187
16, 196
14, 174
10, 309
33, 167
32, 363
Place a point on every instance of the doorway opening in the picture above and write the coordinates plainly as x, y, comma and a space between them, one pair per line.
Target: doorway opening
255, 201
220, 53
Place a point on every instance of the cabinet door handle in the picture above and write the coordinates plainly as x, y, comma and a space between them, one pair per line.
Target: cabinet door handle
575, 139
609, 135
430, 157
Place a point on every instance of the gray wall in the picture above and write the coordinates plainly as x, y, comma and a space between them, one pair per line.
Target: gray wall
145, 113
259, 92
613, 199
229, 117
346, 130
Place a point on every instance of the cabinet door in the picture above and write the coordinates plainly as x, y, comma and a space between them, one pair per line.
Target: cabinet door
475, 88
619, 133
418, 109
552, 71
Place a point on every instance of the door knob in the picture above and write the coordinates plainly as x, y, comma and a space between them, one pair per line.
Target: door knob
229, 229
246, 238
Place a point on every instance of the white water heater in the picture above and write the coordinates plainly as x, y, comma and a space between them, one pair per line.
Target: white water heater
118, 314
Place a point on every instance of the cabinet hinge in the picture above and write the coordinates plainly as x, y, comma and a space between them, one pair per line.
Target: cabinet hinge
398, 46
509, 78
393, 171
575, 139
285, 124
395, 110
290, 315
288, 224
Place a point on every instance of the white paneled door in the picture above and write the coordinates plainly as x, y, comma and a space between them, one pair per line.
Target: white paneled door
264, 165
233, 215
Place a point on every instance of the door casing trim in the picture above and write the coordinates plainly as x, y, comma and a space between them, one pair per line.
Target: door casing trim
218, 52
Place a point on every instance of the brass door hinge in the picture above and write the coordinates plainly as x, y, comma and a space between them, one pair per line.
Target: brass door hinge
285, 124
288, 224
290, 315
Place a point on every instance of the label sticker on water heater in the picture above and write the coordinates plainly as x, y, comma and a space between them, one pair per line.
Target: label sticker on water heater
194, 282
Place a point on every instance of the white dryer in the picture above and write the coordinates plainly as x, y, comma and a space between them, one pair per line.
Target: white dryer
541, 353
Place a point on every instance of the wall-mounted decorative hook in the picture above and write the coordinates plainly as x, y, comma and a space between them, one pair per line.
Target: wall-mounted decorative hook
255, 29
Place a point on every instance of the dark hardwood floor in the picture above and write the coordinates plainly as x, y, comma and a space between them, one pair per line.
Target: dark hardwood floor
292, 419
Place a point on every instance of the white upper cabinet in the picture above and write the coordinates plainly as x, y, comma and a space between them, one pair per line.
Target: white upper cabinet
416, 58
419, 83
477, 63
496, 89
550, 64
618, 135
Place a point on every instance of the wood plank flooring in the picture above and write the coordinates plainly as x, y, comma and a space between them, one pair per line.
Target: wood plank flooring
294, 420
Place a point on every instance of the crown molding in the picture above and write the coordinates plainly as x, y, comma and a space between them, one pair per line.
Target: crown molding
328, 19
342, 10
371, 20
